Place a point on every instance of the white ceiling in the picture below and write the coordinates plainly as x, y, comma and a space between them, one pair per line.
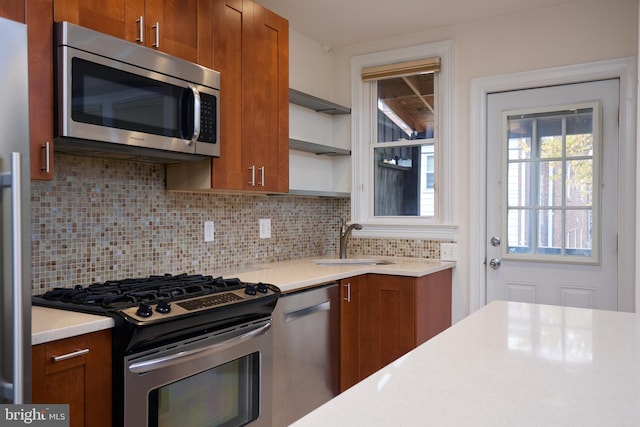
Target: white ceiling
339, 23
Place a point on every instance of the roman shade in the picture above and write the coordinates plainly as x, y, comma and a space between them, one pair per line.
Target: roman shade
388, 71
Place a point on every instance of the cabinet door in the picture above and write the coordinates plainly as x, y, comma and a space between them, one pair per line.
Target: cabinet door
391, 308
39, 19
107, 16
38, 15
13, 9
172, 27
82, 381
232, 26
350, 324
271, 98
433, 305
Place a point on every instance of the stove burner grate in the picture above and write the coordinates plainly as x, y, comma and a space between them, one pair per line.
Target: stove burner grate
131, 292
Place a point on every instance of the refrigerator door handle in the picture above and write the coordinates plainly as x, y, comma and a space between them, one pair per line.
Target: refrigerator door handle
18, 344
14, 180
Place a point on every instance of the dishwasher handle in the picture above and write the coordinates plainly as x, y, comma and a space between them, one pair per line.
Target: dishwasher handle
306, 311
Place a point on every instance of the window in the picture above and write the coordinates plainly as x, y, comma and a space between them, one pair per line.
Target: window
402, 142
552, 184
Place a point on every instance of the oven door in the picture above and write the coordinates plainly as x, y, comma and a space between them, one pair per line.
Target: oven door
223, 378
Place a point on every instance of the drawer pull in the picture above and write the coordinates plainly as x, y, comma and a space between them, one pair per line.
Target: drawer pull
70, 355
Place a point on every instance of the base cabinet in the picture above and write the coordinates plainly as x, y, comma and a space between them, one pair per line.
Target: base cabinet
383, 317
75, 371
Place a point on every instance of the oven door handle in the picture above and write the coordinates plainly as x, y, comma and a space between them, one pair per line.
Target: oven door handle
185, 356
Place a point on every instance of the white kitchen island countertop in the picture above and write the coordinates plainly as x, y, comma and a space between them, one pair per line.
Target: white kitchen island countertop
508, 364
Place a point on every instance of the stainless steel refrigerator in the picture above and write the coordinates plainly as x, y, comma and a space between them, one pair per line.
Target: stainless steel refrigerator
15, 204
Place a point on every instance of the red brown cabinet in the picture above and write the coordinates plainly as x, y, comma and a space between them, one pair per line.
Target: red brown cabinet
75, 371
251, 51
38, 15
384, 316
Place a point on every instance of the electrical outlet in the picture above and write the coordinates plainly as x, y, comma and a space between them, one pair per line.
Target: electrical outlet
265, 228
209, 231
448, 251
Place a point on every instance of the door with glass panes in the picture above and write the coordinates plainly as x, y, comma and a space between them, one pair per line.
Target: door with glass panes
552, 195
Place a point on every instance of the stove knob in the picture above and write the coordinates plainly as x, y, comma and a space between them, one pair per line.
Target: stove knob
163, 307
250, 290
263, 288
144, 310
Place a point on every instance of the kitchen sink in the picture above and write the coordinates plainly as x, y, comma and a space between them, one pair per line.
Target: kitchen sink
352, 261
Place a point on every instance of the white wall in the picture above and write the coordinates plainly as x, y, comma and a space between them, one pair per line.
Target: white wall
577, 32
311, 71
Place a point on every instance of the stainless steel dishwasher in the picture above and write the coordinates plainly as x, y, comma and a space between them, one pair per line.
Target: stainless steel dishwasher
306, 352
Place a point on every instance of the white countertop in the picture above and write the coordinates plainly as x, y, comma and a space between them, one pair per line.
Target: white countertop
50, 324
508, 364
301, 273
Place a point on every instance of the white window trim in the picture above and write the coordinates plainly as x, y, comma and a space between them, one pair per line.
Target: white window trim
443, 225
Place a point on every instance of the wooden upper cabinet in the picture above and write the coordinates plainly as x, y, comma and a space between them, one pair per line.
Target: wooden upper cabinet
271, 100
181, 29
251, 51
13, 9
107, 16
232, 22
38, 15
172, 27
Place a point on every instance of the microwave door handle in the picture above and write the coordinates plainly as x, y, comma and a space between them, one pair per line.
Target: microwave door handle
196, 114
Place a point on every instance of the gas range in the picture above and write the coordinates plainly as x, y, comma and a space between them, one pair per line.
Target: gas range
151, 308
172, 328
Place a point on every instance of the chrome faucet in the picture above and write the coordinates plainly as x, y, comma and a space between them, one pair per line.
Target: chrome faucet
345, 233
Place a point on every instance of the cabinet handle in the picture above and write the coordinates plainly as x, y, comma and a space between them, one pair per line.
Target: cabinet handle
46, 148
262, 174
140, 22
348, 286
157, 42
71, 355
253, 176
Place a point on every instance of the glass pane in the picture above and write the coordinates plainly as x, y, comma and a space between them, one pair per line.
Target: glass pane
520, 136
580, 134
550, 232
550, 147
518, 191
404, 181
550, 182
406, 108
405, 176
578, 234
519, 231
579, 184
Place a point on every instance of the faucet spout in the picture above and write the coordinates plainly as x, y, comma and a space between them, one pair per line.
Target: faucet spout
345, 233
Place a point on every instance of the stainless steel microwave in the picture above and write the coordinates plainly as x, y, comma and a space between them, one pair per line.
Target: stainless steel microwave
120, 100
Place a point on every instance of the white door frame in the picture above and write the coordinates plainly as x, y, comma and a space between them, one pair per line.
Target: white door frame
625, 70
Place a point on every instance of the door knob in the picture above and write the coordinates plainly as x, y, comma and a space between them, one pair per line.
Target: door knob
495, 241
495, 263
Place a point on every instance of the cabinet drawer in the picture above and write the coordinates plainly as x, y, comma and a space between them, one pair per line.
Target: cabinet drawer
65, 354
